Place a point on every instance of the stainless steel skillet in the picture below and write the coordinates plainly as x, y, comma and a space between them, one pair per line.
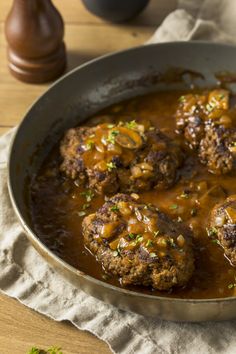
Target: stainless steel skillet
82, 93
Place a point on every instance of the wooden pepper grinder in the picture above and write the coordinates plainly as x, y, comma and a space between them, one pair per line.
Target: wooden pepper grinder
34, 31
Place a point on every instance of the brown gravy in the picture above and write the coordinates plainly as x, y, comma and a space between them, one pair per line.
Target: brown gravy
57, 206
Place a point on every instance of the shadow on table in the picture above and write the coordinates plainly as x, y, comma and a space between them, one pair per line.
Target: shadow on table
76, 58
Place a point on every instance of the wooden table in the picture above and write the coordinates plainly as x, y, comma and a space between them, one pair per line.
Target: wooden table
86, 37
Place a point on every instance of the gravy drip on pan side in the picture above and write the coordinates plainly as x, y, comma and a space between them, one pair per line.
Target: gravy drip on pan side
58, 204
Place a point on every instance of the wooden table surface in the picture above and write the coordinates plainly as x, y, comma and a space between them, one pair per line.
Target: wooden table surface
86, 37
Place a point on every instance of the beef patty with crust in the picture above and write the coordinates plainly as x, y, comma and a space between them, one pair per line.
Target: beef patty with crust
126, 157
208, 124
223, 226
139, 244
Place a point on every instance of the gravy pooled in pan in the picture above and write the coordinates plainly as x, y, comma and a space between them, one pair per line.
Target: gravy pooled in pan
172, 229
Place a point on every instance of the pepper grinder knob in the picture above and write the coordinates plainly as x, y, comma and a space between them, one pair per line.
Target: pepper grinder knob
34, 32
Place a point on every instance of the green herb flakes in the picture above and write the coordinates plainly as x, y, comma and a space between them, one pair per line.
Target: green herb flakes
181, 99
34, 350
131, 236
149, 243
139, 238
54, 350
210, 107
211, 232
153, 255
85, 206
111, 136
131, 125
114, 208
173, 206
172, 243
215, 241
89, 195
51, 350
89, 145
111, 166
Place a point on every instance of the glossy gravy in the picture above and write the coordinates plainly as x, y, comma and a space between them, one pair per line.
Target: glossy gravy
58, 206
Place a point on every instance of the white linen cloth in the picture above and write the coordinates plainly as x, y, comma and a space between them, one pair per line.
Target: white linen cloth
26, 276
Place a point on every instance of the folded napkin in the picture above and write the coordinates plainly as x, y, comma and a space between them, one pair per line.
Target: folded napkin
26, 276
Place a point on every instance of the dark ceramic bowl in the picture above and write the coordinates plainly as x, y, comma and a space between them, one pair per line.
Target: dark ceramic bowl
82, 93
115, 10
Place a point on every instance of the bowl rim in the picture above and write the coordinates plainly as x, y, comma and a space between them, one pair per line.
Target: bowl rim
32, 236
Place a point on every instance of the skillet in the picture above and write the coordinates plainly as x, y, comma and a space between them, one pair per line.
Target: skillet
80, 94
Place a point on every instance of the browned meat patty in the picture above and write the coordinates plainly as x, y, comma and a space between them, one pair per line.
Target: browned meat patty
208, 125
127, 157
139, 244
223, 226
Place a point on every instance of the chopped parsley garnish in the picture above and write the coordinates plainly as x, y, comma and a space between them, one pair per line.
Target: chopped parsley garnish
210, 107
85, 206
114, 208
89, 145
172, 242
173, 206
139, 238
221, 96
149, 243
116, 253
111, 166
111, 136
88, 195
51, 350
131, 236
110, 126
34, 350
131, 125
181, 98
54, 350
215, 241
211, 232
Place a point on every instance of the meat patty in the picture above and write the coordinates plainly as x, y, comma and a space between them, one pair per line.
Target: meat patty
208, 125
223, 226
139, 244
127, 157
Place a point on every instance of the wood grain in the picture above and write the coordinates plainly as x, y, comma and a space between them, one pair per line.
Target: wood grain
73, 11
86, 37
80, 46
22, 328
